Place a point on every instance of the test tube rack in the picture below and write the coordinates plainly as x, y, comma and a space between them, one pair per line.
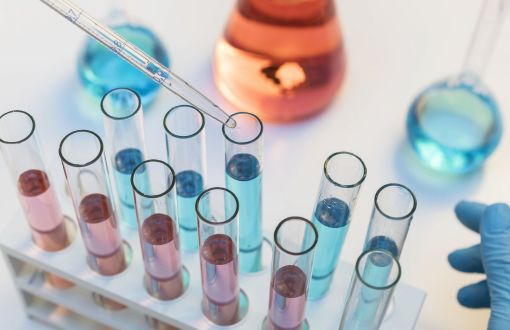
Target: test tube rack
74, 308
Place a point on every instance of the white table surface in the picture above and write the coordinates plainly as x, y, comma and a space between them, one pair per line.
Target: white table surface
395, 48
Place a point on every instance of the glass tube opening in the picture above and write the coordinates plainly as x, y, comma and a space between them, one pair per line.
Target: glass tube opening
120, 103
395, 201
157, 171
295, 236
90, 144
248, 128
184, 121
217, 206
378, 269
345, 169
16, 126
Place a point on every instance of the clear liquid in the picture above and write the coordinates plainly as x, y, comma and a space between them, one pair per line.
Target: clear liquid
125, 161
287, 300
189, 185
331, 219
244, 178
101, 70
454, 127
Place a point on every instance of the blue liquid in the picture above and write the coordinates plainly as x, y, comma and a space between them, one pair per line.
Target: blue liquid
370, 307
383, 243
124, 163
245, 180
101, 70
331, 219
454, 128
189, 185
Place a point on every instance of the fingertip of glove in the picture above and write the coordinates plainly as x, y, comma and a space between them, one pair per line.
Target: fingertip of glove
496, 218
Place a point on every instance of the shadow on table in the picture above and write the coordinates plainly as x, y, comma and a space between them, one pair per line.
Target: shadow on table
433, 187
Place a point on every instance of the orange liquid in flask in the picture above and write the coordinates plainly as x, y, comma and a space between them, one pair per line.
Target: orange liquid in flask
281, 59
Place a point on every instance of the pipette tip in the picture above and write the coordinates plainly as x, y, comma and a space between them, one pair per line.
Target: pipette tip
231, 123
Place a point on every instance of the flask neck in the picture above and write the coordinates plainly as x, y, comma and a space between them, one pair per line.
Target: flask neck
484, 38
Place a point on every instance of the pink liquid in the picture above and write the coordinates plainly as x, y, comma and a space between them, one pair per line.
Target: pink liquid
283, 60
219, 265
100, 233
39, 201
288, 298
43, 213
161, 247
161, 257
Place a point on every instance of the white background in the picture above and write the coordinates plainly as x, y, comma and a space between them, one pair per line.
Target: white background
395, 48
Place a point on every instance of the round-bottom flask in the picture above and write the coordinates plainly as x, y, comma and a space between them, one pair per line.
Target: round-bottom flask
454, 125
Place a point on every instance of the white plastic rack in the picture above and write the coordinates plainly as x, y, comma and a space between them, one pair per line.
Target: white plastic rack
74, 308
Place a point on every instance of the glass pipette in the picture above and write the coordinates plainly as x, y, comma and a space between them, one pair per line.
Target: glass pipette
132, 54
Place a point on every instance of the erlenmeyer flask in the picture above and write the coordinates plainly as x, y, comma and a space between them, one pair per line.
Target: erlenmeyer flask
100, 70
281, 59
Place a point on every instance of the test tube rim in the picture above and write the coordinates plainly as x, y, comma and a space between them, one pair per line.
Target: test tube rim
28, 135
169, 189
167, 129
330, 179
312, 246
393, 184
124, 117
243, 113
217, 223
395, 260
101, 147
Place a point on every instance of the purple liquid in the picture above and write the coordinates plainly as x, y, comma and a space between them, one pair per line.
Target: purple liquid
219, 265
161, 247
100, 233
288, 298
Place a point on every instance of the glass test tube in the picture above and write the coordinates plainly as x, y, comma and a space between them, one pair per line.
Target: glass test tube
343, 175
84, 165
123, 123
394, 206
217, 211
185, 142
376, 274
243, 158
36, 193
159, 235
295, 239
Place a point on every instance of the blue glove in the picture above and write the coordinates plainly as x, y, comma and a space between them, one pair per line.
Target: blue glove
492, 257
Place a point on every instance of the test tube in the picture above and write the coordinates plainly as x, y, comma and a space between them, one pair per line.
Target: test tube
243, 158
185, 142
394, 206
123, 123
295, 239
376, 274
217, 211
343, 175
83, 161
36, 193
159, 235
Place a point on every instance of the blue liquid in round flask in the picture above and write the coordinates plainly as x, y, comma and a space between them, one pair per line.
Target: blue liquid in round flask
454, 125
100, 70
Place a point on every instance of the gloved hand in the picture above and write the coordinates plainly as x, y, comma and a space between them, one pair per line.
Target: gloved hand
492, 257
